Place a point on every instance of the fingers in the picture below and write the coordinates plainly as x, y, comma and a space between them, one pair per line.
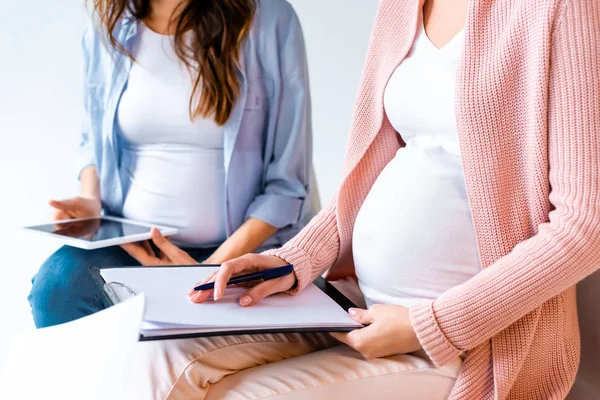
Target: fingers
352, 339
362, 340
78, 207
199, 296
228, 269
61, 210
247, 285
340, 336
360, 315
147, 247
60, 215
207, 279
172, 252
64, 205
140, 254
245, 264
267, 288
221, 278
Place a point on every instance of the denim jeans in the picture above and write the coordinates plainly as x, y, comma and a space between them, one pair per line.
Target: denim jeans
63, 289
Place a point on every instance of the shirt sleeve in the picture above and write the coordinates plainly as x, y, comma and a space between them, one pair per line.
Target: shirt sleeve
85, 153
287, 176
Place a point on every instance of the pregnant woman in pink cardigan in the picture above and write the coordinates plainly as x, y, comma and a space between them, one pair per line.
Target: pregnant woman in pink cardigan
469, 209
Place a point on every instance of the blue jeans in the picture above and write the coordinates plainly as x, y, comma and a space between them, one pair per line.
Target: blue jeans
63, 289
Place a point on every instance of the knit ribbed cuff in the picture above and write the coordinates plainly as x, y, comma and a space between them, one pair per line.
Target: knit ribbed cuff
301, 262
434, 342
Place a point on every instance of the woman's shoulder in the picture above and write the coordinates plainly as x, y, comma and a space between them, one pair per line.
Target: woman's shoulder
275, 24
275, 6
276, 36
95, 38
275, 12
99, 56
91, 35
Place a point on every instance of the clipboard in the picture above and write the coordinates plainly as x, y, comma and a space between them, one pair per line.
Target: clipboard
116, 292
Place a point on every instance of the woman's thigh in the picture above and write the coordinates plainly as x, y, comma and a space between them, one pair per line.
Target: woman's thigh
64, 290
340, 372
186, 369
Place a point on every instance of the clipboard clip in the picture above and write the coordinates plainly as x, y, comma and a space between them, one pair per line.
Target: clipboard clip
118, 292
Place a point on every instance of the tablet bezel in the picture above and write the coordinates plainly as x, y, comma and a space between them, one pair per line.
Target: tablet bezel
88, 245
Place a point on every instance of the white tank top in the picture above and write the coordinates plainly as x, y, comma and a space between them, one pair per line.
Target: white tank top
414, 237
172, 168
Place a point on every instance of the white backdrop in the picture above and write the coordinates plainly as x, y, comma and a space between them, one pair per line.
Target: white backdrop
40, 112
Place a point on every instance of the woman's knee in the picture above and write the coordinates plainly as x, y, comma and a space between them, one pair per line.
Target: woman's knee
63, 289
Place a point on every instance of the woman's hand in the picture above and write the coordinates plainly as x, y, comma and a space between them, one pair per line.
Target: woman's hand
244, 265
169, 254
389, 332
77, 207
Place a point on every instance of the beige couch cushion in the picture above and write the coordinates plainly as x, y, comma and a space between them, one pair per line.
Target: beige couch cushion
587, 384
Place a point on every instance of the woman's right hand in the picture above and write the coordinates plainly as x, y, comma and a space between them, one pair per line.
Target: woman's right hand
76, 207
244, 265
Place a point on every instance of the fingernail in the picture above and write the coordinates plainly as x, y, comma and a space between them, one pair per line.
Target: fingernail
245, 300
194, 297
217, 294
353, 311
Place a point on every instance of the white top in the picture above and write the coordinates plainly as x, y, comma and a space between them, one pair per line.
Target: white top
414, 237
172, 168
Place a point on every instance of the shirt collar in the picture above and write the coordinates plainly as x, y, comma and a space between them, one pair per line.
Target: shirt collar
129, 26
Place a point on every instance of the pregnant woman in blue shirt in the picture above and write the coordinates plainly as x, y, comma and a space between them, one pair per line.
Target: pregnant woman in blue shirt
197, 117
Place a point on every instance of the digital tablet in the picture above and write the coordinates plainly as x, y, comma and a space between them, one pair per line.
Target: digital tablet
97, 233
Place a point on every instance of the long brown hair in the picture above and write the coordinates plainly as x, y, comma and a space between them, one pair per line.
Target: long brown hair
217, 30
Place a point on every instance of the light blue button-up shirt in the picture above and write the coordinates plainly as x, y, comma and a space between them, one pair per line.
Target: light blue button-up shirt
268, 140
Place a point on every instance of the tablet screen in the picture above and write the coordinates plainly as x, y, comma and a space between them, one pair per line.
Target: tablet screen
93, 230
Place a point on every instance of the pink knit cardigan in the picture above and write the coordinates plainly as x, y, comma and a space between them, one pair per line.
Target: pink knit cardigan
528, 116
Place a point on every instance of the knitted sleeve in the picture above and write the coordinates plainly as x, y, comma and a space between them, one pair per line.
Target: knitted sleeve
314, 249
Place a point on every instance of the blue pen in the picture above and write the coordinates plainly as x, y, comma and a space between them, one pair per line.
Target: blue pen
265, 275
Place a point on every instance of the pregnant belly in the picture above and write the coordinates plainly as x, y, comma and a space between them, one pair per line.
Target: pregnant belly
414, 238
185, 190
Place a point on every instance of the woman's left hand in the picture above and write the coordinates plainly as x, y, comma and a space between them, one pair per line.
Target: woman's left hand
169, 254
389, 331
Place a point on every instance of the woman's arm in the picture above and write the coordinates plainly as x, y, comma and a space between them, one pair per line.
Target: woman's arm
314, 249
286, 177
90, 183
250, 236
85, 206
311, 252
567, 248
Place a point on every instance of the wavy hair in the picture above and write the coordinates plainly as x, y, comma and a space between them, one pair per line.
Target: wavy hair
217, 29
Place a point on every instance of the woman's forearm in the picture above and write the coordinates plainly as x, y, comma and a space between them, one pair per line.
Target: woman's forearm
315, 248
250, 236
90, 184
